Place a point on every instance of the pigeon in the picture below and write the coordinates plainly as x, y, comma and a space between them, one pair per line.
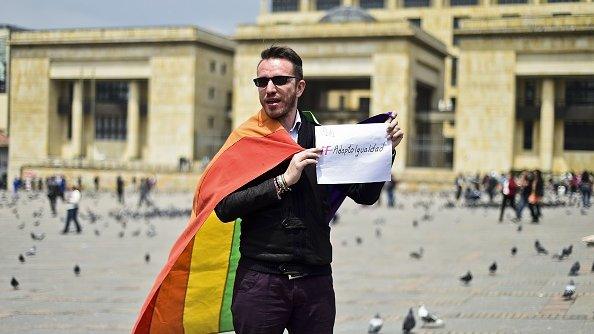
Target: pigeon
466, 278
37, 237
428, 319
415, 223
539, 248
147, 258
97, 233
36, 223
121, 234
592, 270
493, 268
569, 290
14, 283
32, 251
21, 258
359, 240
567, 251
378, 233
514, 251
575, 268
409, 322
588, 240
417, 255
21, 226
136, 233
519, 229
375, 324
76, 270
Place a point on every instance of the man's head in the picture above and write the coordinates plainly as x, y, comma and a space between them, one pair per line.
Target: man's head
280, 81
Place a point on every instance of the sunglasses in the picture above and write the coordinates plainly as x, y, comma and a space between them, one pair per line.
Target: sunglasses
278, 80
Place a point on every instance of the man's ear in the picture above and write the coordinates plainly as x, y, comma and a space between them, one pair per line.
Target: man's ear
300, 87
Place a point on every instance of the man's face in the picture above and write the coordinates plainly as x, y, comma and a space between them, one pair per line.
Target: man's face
279, 101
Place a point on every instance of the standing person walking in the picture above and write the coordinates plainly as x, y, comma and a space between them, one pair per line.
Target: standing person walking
120, 189
508, 190
72, 198
96, 182
586, 188
525, 188
52, 193
536, 194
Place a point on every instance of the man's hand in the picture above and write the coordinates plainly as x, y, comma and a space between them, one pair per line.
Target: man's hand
395, 133
298, 162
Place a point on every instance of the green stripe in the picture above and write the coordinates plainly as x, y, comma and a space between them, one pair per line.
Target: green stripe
226, 318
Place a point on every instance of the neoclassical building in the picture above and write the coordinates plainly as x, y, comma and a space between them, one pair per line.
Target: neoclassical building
512, 81
133, 99
480, 86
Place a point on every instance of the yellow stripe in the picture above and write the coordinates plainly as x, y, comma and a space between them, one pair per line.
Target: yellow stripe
208, 272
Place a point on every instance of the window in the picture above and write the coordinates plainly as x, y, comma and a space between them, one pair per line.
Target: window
285, 6
223, 69
111, 110
454, 79
528, 134
371, 4
511, 2
454, 3
456, 40
453, 99
211, 93
213, 66
211, 122
111, 91
578, 135
415, 22
327, 4
417, 3
529, 93
553, 1
229, 103
579, 92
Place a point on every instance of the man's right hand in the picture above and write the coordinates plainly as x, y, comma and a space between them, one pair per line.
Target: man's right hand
298, 162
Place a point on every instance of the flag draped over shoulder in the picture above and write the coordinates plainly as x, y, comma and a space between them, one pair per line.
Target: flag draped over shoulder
192, 293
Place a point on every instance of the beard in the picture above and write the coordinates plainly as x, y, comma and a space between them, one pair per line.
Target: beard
285, 109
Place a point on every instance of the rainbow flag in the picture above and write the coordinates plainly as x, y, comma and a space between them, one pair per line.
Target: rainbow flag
192, 293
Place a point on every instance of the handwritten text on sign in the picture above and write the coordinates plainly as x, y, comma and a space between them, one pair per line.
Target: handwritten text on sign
357, 153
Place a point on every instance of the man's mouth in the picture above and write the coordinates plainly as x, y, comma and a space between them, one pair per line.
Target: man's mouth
273, 102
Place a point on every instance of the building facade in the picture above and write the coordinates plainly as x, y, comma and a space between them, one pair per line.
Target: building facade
461, 126
145, 99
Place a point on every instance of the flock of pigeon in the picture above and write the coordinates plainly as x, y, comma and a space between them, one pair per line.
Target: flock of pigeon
430, 320
122, 216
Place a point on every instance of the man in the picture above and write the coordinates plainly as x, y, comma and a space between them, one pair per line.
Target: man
73, 198
508, 190
120, 189
283, 279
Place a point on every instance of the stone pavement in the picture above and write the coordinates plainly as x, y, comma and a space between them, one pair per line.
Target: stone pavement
376, 276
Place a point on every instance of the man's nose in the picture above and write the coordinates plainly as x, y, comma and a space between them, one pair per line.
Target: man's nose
270, 87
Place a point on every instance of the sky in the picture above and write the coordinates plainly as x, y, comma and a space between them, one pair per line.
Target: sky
220, 16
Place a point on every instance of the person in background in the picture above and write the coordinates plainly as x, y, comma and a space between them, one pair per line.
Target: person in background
459, 182
524, 188
508, 190
120, 189
586, 188
73, 198
52, 193
535, 197
390, 189
96, 182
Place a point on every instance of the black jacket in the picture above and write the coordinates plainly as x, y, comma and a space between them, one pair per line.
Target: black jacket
291, 232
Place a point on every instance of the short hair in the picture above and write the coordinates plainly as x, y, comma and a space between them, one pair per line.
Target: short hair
284, 52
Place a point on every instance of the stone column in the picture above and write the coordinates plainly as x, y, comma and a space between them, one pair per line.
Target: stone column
392, 4
133, 121
77, 119
304, 5
547, 124
264, 6
348, 3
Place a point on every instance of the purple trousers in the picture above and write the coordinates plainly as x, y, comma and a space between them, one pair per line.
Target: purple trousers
269, 303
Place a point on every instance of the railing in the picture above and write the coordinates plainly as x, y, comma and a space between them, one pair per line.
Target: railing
425, 151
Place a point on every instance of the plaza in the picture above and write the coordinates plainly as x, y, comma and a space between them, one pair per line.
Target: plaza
375, 276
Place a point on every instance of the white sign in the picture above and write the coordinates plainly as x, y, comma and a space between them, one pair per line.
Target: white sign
357, 153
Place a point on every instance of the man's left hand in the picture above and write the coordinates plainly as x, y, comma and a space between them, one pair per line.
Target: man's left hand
395, 133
